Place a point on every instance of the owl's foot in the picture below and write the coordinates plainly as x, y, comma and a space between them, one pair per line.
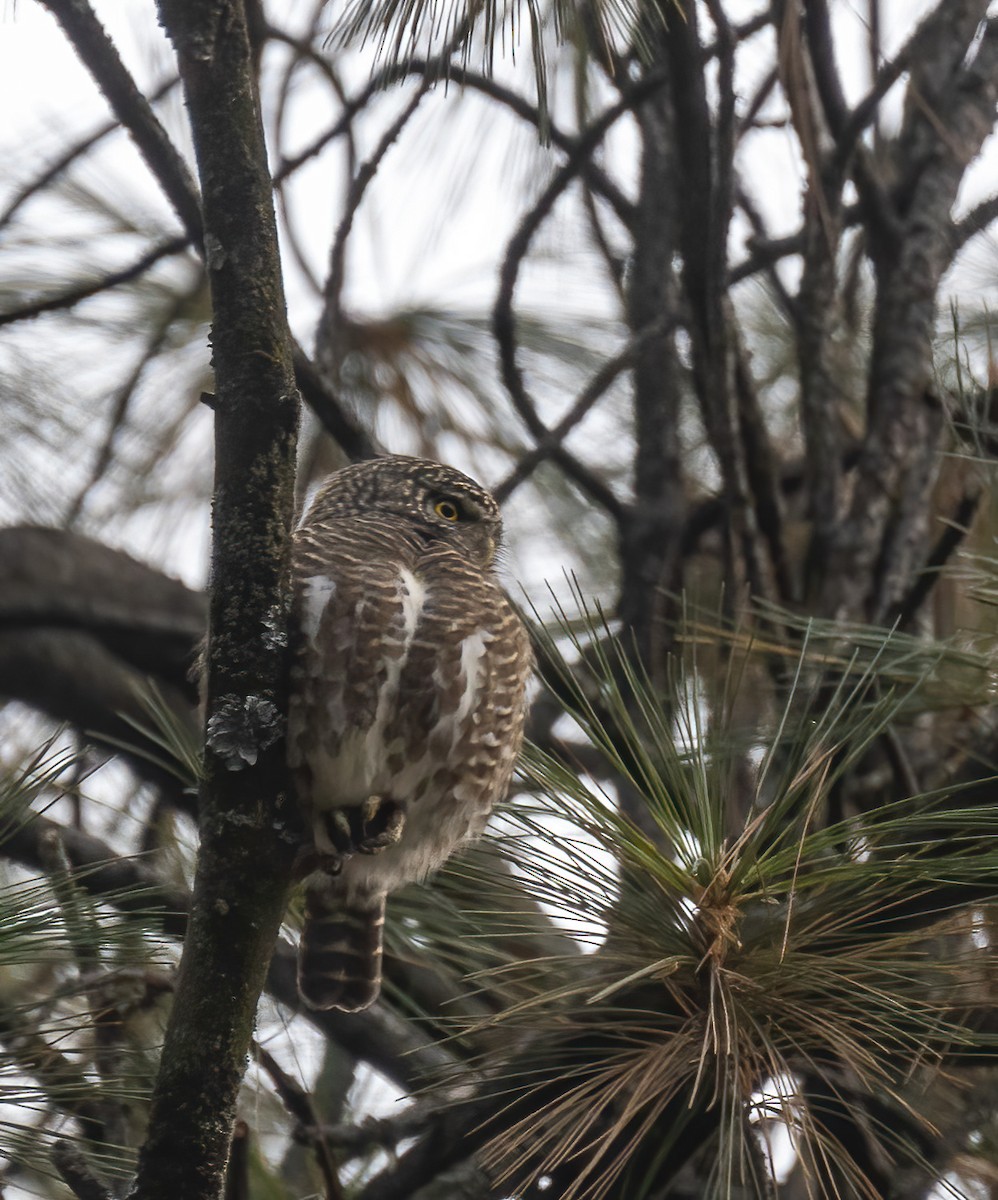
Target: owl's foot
366, 828
376, 824
310, 859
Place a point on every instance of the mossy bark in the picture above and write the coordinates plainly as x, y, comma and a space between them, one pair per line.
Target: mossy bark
248, 833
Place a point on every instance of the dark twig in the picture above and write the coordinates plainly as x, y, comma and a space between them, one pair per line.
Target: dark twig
299, 1104
237, 1171
603, 379
761, 238
867, 109
875, 49
589, 170
337, 258
325, 67
703, 145
81, 929
73, 296
973, 223
392, 1046
725, 125
353, 439
66, 1085
124, 396
290, 229
98, 52
69, 156
303, 51
761, 468
614, 262
293, 1096
742, 32
846, 126
68, 1160
826, 74
503, 323
956, 530
340, 128
762, 94
386, 1132
764, 253
127, 883
175, 180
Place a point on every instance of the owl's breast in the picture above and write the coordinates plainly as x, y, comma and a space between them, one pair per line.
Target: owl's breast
354, 639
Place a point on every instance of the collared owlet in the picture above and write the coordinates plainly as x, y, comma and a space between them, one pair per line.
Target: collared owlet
407, 700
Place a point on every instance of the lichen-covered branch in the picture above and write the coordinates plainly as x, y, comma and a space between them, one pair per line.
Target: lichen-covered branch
247, 834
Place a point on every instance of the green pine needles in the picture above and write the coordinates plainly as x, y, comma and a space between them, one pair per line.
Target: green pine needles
750, 977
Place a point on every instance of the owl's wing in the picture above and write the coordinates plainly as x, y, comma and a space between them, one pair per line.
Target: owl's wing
354, 610
473, 647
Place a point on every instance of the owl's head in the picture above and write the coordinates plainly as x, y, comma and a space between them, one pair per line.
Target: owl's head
437, 502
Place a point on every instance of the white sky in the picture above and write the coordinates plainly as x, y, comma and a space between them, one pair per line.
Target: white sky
435, 222
427, 248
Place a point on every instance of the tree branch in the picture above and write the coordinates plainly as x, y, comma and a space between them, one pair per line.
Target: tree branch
98, 53
68, 1160
876, 550
503, 322
73, 296
135, 114
333, 311
392, 1046
594, 390
249, 831
590, 170
349, 435
69, 156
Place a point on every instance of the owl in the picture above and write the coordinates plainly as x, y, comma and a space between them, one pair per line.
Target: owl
408, 695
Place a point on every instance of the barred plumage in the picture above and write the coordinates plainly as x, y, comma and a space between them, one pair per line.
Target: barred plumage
408, 699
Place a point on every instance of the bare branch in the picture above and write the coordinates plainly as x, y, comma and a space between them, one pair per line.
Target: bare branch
974, 222
957, 527
76, 1173
69, 156
594, 390
299, 1104
503, 323
589, 170
391, 1045
73, 296
131, 107
944, 127
332, 312
341, 425
339, 128
248, 835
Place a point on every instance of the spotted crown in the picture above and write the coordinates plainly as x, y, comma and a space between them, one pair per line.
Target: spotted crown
405, 487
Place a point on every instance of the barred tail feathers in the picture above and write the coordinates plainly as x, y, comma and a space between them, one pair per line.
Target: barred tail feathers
339, 955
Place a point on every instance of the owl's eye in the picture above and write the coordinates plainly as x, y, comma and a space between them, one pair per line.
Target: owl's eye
448, 509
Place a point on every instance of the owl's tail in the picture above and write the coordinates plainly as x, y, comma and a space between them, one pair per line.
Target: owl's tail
339, 955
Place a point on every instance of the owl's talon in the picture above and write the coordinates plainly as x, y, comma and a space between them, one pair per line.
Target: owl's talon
379, 824
310, 859
340, 830
366, 828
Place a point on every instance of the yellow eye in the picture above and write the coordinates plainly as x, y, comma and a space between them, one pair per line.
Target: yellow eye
447, 509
